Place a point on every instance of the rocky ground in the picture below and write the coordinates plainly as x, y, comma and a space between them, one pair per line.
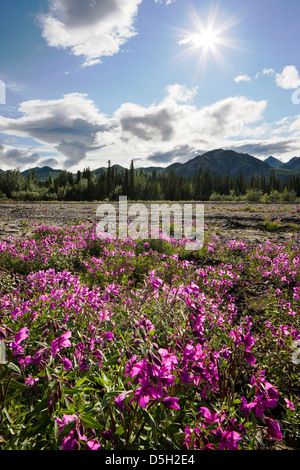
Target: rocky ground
253, 223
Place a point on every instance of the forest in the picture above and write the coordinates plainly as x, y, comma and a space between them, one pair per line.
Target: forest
137, 184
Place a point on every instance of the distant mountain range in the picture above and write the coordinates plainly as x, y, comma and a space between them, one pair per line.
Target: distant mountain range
218, 162
292, 164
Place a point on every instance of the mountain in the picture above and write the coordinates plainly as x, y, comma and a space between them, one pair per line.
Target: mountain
274, 162
43, 173
177, 167
292, 164
218, 162
150, 169
102, 170
225, 162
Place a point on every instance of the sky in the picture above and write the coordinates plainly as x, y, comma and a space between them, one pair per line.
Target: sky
83, 82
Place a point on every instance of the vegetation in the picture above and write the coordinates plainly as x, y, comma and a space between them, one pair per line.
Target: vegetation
141, 185
134, 344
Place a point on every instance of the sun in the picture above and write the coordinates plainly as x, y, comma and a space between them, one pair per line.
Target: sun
208, 39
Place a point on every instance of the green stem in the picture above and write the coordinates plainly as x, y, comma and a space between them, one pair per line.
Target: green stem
131, 427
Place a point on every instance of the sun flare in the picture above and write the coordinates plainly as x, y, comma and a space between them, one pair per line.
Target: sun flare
208, 38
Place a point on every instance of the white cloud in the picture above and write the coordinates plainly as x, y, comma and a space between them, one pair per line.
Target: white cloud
69, 124
268, 71
295, 126
190, 39
242, 78
173, 129
180, 93
91, 29
14, 157
52, 162
165, 2
174, 123
283, 148
288, 78
265, 72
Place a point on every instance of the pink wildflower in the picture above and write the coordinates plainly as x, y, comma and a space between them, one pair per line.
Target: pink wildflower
93, 445
31, 380
71, 440
171, 402
61, 342
230, 440
146, 392
290, 404
19, 337
273, 429
67, 363
211, 417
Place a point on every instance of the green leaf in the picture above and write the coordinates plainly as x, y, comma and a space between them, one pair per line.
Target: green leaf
112, 361
14, 367
43, 405
120, 430
4, 410
14, 384
81, 381
89, 421
40, 426
71, 391
149, 420
68, 428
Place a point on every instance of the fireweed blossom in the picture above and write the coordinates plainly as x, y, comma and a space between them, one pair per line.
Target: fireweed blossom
273, 428
75, 437
230, 440
195, 438
198, 302
289, 404
265, 397
61, 342
171, 402
67, 363
214, 417
31, 380
93, 445
19, 337
120, 400
146, 392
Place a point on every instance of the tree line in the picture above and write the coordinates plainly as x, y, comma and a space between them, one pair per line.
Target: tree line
136, 184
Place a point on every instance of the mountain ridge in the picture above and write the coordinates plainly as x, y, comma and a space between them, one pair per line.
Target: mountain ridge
217, 162
292, 164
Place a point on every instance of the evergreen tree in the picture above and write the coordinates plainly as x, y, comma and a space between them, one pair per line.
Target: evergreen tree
131, 189
108, 180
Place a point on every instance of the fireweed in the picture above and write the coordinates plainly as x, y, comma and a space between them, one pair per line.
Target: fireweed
122, 344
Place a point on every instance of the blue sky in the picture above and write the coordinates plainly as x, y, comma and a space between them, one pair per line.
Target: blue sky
156, 81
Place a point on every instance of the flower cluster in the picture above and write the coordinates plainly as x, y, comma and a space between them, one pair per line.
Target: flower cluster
122, 344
